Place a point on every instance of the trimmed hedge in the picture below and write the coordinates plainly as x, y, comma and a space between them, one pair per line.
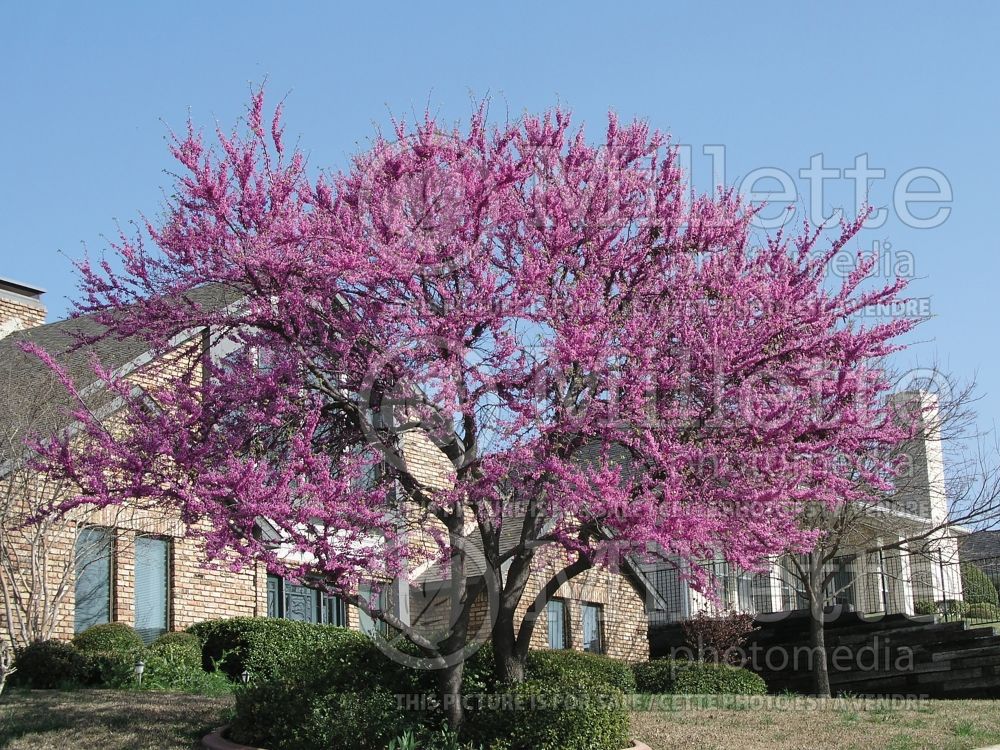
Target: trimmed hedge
107, 658
564, 712
111, 637
479, 674
109, 669
315, 687
549, 665
679, 677
977, 588
984, 611
48, 664
180, 645
269, 648
109, 653
947, 607
280, 716
312, 686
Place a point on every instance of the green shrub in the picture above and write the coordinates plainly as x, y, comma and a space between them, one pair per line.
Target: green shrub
330, 687
984, 611
675, 676
183, 645
268, 647
279, 716
994, 575
170, 667
479, 673
316, 686
568, 712
977, 588
547, 665
48, 664
111, 637
109, 653
949, 608
109, 669
954, 608
432, 739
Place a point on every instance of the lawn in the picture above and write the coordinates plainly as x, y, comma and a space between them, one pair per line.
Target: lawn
803, 724
113, 720
107, 719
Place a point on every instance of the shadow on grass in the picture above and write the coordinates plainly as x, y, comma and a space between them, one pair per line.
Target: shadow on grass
113, 720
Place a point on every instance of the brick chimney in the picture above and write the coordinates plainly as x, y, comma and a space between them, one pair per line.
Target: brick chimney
21, 306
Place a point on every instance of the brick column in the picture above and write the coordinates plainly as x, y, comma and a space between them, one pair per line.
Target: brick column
123, 577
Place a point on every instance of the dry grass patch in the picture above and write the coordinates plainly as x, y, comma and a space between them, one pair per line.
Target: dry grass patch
107, 719
779, 723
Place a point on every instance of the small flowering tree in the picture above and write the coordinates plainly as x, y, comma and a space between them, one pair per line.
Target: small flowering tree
606, 364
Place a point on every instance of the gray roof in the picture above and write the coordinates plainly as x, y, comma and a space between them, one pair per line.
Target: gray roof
979, 545
31, 398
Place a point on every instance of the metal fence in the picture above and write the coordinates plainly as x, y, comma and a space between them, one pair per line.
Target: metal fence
908, 581
977, 602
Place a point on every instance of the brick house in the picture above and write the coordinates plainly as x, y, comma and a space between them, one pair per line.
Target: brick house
138, 567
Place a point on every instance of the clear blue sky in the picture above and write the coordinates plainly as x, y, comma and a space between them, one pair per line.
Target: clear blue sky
85, 90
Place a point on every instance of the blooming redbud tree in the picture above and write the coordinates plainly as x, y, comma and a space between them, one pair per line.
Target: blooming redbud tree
605, 362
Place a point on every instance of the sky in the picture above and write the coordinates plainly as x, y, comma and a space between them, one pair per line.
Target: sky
88, 93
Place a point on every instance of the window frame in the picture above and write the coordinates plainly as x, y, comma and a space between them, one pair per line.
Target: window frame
586, 607
368, 624
110, 544
563, 604
168, 584
325, 604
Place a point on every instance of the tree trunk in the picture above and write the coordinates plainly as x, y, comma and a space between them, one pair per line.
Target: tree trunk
821, 673
508, 666
450, 677
817, 638
450, 690
509, 658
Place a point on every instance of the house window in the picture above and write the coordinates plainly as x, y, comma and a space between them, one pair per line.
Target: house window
592, 617
292, 601
555, 612
761, 589
840, 590
301, 603
274, 594
335, 611
379, 601
93, 578
152, 586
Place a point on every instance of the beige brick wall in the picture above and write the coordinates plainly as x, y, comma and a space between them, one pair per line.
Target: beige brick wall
623, 630
17, 313
196, 591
